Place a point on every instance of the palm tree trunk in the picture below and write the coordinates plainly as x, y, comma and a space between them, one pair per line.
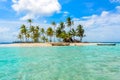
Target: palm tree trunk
54, 33
30, 24
50, 39
80, 39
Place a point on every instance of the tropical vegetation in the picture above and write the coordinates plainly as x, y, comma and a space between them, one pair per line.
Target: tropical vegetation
59, 32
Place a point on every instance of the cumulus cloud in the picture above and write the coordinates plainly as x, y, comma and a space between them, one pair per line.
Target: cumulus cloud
106, 18
103, 27
36, 8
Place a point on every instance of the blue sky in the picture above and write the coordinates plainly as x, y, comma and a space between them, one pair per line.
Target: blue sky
100, 18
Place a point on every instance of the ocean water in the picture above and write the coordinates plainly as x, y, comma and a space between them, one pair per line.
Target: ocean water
60, 63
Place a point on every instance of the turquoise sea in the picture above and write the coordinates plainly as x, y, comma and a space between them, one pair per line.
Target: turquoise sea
60, 63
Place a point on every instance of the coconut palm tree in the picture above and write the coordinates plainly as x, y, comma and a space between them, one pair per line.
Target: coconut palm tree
62, 25
29, 21
32, 29
54, 24
43, 38
58, 32
36, 34
80, 32
61, 34
69, 22
37, 27
23, 31
42, 31
20, 37
73, 33
50, 33
27, 36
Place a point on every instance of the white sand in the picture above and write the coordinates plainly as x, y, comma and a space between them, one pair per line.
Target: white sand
41, 44
82, 44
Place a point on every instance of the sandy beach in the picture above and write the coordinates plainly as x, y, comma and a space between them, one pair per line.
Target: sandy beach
42, 44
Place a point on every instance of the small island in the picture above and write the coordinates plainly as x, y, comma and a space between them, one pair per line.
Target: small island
57, 34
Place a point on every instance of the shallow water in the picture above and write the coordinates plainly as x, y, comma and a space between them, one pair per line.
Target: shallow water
60, 63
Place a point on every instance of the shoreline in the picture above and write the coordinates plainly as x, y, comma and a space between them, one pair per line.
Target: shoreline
45, 44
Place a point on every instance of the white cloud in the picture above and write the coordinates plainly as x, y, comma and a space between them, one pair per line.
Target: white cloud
10, 29
103, 27
36, 8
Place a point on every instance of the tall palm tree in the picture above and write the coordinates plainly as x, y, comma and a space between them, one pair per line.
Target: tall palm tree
69, 22
43, 38
27, 36
42, 34
37, 27
54, 24
62, 25
50, 33
20, 37
29, 21
73, 33
36, 34
23, 31
42, 31
32, 29
80, 32
58, 32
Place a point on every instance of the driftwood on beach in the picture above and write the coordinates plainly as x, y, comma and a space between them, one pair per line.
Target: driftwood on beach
60, 44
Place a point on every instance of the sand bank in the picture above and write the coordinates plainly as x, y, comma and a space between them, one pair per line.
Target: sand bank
43, 44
